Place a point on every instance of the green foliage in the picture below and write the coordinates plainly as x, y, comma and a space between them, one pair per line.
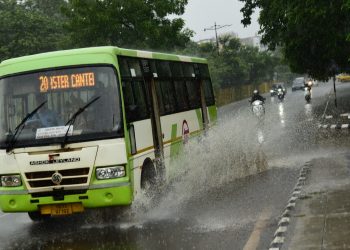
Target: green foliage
236, 64
26, 29
127, 23
34, 26
313, 34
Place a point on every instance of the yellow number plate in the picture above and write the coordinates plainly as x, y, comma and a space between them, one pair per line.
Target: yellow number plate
62, 209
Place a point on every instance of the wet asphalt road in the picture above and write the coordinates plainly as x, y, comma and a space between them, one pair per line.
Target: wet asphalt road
234, 190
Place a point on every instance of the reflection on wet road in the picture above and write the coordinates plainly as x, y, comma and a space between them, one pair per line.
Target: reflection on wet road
229, 192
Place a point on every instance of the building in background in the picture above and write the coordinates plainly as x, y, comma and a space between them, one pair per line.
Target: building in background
254, 41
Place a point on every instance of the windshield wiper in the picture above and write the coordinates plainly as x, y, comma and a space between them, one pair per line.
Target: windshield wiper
20, 127
71, 121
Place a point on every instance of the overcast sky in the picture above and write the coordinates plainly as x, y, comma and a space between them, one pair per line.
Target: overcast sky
202, 14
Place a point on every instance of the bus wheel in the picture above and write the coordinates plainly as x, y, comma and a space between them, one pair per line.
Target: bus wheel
148, 176
37, 216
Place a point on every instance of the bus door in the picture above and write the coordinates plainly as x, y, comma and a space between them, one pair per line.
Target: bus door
155, 115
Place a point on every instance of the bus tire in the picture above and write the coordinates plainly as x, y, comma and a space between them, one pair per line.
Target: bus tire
37, 216
148, 175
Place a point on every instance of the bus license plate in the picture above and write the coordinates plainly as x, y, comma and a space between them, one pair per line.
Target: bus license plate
61, 209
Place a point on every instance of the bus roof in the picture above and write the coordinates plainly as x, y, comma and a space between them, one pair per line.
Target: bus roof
84, 56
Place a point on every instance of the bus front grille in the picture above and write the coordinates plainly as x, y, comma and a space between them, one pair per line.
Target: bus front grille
69, 177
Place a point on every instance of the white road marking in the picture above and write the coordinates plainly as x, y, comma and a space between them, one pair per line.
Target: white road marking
283, 223
296, 192
281, 229
292, 199
278, 240
291, 205
344, 126
283, 220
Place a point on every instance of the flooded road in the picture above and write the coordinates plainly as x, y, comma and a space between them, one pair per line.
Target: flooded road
229, 192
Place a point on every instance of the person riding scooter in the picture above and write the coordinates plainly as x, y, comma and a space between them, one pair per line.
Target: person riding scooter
257, 96
257, 102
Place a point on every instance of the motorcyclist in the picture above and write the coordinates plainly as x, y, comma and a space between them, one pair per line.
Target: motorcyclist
308, 84
281, 87
280, 92
257, 96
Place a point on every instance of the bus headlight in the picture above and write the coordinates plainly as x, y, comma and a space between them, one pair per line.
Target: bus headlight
11, 180
110, 172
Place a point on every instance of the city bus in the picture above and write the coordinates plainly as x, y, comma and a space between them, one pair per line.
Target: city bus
89, 128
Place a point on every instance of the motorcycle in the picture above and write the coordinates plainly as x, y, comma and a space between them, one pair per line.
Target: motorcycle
307, 94
258, 108
280, 94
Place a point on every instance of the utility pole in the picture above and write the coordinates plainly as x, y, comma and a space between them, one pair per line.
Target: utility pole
334, 69
217, 27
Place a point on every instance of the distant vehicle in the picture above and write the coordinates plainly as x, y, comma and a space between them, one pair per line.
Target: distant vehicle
298, 84
343, 77
274, 88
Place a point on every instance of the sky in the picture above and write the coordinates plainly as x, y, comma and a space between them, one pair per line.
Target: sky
201, 14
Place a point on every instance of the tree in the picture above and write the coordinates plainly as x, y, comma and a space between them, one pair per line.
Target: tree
127, 23
312, 33
236, 64
26, 29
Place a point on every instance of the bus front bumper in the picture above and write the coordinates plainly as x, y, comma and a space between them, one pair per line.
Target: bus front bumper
93, 198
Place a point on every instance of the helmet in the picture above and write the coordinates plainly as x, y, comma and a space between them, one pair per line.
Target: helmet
256, 92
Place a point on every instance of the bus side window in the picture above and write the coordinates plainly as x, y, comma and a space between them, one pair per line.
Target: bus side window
181, 96
135, 102
124, 67
193, 93
165, 89
160, 98
165, 94
208, 91
188, 70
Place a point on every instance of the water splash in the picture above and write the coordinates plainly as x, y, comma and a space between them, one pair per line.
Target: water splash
239, 146
231, 150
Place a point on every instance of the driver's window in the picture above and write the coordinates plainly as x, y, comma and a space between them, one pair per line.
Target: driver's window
18, 104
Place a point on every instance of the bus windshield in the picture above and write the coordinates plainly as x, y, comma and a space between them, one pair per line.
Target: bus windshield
64, 92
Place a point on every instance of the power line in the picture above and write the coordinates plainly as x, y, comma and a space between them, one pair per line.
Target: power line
217, 27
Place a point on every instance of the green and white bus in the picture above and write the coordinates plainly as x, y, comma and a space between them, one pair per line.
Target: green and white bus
88, 128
